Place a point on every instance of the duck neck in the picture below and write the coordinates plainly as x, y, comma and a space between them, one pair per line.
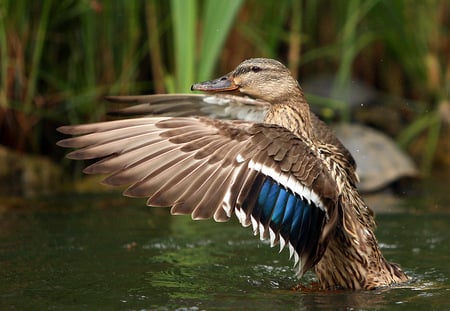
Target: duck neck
292, 112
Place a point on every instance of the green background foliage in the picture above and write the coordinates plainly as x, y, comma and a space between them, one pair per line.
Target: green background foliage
59, 58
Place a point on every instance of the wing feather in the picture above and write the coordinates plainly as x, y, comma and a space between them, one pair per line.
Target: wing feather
214, 168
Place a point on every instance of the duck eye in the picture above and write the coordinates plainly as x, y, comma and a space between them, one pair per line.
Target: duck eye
255, 68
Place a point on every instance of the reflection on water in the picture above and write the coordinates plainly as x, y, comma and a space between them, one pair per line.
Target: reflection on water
102, 251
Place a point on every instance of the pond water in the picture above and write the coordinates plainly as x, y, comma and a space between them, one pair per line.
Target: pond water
102, 251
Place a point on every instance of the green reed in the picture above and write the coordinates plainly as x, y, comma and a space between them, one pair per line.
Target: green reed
59, 58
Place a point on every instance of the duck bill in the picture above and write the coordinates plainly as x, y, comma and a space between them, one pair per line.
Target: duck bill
221, 84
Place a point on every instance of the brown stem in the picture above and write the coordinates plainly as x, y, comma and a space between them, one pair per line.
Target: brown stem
154, 47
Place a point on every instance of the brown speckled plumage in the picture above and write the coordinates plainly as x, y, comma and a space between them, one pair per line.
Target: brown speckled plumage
214, 168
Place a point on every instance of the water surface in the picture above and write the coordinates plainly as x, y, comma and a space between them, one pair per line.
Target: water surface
102, 251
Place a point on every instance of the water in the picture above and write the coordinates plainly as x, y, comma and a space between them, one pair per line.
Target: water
107, 252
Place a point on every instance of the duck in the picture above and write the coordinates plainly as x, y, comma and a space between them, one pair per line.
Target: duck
288, 177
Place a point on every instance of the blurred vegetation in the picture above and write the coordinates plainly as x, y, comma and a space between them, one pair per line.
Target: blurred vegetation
59, 58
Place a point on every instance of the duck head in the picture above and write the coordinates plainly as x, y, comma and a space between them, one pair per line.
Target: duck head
260, 78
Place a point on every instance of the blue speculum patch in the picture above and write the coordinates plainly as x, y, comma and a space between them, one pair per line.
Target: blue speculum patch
295, 218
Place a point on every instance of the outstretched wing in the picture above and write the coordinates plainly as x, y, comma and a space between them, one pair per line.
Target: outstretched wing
222, 106
209, 168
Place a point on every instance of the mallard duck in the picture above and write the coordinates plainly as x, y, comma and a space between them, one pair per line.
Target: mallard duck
288, 177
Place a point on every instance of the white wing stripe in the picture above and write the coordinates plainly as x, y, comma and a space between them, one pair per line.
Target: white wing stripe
287, 181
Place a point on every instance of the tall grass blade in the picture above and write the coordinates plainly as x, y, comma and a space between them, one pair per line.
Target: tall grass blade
184, 14
352, 42
37, 53
154, 46
218, 17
